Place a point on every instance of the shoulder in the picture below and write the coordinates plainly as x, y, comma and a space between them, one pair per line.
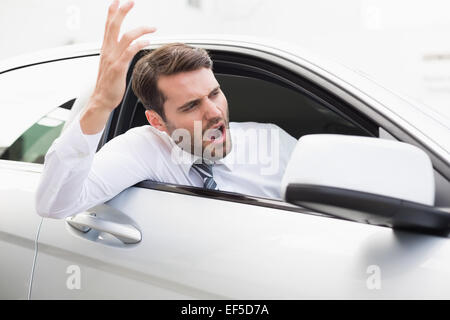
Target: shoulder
145, 131
249, 126
138, 138
272, 134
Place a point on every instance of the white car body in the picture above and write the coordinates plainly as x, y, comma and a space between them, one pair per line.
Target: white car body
205, 247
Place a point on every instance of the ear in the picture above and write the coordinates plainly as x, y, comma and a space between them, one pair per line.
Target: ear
155, 120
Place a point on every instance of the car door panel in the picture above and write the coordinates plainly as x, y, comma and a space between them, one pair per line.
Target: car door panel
18, 227
30, 121
195, 247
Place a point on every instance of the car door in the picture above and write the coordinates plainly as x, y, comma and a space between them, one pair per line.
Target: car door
35, 101
201, 246
160, 241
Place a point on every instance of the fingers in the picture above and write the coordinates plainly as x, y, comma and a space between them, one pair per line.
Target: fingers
111, 12
132, 35
131, 51
117, 55
116, 22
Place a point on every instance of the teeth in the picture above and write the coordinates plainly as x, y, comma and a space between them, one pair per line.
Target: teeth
217, 132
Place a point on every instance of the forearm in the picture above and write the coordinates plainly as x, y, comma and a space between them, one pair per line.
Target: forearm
60, 190
94, 117
76, 178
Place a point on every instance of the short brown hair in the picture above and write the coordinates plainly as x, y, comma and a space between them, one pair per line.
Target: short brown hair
166, 60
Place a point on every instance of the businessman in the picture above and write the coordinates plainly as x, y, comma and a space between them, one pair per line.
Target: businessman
189, 139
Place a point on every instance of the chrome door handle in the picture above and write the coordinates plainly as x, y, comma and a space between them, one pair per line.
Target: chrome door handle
126, 233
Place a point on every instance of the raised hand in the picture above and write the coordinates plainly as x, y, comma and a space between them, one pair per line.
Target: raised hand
115, 57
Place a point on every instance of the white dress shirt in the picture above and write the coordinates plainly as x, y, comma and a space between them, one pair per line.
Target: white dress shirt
75, 178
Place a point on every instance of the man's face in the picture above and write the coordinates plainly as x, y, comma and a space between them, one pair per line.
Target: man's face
195, 100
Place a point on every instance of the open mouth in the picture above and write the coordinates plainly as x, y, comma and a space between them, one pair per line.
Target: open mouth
217, 133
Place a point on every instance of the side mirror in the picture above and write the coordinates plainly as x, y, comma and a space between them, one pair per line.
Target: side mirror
369, 180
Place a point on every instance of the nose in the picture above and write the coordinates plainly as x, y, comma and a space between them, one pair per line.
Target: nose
211, 110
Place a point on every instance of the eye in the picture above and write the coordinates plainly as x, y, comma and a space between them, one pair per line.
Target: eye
191, 106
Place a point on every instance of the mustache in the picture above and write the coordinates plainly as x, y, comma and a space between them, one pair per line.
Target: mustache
215, 121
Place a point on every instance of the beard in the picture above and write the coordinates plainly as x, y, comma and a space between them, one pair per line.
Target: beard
213, 142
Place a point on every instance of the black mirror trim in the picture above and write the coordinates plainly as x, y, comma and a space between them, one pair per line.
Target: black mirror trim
370, 208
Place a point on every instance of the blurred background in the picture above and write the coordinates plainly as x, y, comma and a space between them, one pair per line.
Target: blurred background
404, 45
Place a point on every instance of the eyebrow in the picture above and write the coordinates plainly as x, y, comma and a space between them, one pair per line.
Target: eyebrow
196, 100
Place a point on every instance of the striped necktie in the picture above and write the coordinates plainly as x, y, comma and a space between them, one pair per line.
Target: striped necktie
205, 172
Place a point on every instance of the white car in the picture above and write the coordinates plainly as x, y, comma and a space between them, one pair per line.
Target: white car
367, 191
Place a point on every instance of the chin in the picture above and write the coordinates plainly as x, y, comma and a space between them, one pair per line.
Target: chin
216, 152
213, 154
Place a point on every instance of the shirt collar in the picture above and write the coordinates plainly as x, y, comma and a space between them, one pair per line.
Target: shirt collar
186, 159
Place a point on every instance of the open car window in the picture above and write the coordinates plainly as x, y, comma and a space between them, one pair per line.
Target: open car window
257, 91
261, 91
258, 100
